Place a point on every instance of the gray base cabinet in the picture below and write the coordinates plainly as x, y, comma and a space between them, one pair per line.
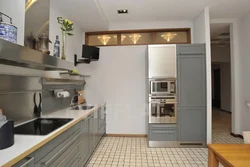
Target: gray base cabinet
85, 151
162, 132
28, 161
73, 147
192, 124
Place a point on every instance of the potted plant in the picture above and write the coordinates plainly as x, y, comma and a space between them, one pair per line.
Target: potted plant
67, 29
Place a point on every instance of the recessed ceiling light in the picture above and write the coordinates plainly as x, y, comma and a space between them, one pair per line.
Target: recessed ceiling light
122, 11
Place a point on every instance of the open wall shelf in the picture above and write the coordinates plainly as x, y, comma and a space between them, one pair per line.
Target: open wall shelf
17, 55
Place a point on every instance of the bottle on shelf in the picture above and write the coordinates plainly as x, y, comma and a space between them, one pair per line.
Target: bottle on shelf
57, 47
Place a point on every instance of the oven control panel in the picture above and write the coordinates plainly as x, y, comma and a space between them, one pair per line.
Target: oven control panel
163, 100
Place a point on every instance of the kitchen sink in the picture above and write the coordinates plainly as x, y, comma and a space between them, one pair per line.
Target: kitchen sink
83, 107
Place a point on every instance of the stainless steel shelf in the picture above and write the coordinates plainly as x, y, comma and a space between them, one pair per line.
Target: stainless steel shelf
80, 75
17, 55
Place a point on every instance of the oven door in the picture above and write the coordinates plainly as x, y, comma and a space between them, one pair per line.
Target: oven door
162, 112
159, 87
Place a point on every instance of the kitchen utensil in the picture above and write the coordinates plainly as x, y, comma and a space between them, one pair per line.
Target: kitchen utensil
81, 98
42, 44
37, 108
6, 134
8, 31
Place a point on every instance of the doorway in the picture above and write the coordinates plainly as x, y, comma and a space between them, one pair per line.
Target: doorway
221, 84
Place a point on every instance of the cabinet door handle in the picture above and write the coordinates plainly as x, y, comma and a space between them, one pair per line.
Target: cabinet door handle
191, 53
78, 163
59, 152
72, 151
87, 118
29, 160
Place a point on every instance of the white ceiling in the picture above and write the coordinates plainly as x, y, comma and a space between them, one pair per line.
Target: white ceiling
230, 9
94, 15
86, 13
152, 10
217, 29
171, 10
217, 38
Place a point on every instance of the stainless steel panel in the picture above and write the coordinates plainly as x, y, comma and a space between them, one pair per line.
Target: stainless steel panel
176, 144
17, 94
162, 61
55, 81
18, 106
17, 55
19, 84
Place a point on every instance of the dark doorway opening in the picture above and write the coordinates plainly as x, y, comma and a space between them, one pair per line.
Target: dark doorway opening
217, 91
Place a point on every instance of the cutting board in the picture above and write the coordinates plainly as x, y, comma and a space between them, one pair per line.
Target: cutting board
81, 99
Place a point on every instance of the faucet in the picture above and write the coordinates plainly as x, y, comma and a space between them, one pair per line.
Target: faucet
74, 100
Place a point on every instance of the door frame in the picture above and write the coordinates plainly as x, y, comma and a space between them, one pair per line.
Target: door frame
235, 73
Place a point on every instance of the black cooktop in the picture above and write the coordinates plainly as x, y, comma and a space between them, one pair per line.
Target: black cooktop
41, 126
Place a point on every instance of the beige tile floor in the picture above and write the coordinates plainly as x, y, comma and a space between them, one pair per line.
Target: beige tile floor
120, 151
222, 128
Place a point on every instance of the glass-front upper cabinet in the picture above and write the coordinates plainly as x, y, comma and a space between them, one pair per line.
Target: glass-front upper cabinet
171, 37
105, 39
136, 38
139, 37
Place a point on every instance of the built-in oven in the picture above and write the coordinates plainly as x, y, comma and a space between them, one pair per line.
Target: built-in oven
164, 87
163, 109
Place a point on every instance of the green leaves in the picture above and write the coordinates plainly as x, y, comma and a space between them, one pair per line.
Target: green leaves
60, 20
66, 25
63, 29
69, 34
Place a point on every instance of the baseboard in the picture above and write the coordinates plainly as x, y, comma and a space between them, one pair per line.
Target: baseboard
236, 135
226, 111
126, 135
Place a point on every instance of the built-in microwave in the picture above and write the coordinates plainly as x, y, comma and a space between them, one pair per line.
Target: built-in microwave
163, 87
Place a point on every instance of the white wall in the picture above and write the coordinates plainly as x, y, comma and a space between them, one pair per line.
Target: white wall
225, 71
125, 115
220, 54
199, 28
119, 79
244, 47
16, 10
202, 35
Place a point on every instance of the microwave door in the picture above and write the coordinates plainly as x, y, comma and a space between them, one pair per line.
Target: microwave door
159, 87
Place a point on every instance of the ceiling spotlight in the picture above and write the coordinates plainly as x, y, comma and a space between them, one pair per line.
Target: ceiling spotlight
122, 11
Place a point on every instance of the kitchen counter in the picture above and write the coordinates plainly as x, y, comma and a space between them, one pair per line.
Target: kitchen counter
26, 144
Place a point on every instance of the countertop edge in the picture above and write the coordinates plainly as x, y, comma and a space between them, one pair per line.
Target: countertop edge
45, 141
